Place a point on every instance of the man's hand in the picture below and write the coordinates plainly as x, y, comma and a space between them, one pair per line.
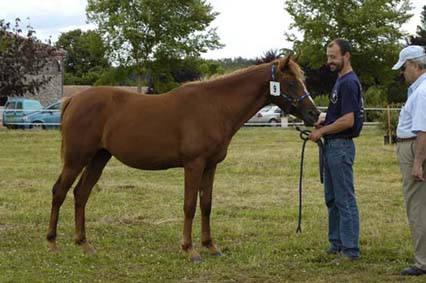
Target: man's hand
417, 172
318, 125
419, 157
315, 135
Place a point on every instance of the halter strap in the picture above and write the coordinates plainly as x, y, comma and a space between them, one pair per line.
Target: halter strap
274, 68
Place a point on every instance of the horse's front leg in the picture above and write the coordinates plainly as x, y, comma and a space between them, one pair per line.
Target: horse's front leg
193, 173
206, 189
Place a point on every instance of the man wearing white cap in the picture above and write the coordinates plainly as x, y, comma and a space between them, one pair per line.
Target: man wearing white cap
411, 151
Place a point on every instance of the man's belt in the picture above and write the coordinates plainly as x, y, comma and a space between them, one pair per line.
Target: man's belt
405, 139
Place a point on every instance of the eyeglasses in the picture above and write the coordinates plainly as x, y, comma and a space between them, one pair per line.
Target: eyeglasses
405, 66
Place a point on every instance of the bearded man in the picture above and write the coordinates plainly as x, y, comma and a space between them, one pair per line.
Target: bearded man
343, 122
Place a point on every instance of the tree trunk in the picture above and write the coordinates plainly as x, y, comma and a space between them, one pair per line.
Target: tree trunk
139, 83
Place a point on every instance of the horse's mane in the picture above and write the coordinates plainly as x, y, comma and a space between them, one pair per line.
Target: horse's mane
231, 75
292, 66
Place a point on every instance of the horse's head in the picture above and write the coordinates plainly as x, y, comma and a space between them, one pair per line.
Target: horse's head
292, 96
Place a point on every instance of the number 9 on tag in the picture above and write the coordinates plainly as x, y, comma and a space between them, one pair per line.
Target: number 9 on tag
275, 88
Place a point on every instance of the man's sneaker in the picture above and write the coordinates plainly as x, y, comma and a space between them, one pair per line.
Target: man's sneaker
413, 271
342, 258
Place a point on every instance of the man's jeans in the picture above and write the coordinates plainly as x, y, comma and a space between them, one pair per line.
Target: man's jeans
343, 217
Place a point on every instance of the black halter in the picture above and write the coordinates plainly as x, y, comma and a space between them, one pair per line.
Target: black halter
293, 101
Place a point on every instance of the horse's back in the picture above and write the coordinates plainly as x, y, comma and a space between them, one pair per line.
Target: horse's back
88, 108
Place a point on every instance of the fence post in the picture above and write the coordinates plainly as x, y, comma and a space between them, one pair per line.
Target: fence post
389, 125
284, 121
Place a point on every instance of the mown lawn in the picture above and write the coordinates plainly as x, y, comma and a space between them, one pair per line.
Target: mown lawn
134, 218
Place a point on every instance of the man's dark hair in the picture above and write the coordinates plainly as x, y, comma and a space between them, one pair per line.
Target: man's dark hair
344, 45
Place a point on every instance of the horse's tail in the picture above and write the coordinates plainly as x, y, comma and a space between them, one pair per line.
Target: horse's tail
64, 107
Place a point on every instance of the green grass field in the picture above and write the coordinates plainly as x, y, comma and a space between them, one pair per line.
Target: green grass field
134, 218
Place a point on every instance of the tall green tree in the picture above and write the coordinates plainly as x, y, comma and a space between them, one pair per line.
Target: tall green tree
22, 58
85, 56
170, 73
372, 26
139, 31
232, 64
420, 37
269, 56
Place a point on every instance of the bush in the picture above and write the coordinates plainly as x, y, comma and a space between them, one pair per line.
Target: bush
375, 96
321, 100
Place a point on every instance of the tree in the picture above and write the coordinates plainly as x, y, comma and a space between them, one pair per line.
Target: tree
85, 56
420, 38
21, 60
268, 56
232, 64
117, 76
372, 26
170, 73
139, 31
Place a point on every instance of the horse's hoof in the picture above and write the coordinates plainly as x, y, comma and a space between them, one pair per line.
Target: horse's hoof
196, 259
53, 248
88, 249
192, 255
214, 250
54, 251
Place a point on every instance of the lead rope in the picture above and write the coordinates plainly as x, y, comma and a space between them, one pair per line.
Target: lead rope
304, 135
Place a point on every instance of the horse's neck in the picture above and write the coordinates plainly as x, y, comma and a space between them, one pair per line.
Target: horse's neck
241, 101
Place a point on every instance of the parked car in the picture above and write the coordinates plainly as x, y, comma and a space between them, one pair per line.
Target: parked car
46, 118
268, 115
15, 109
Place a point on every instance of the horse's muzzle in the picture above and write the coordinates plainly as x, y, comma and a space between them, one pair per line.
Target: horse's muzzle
311, 117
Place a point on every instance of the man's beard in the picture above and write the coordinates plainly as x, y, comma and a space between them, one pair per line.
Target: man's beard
337, 67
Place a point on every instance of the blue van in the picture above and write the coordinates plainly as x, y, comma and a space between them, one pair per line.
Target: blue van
16, 108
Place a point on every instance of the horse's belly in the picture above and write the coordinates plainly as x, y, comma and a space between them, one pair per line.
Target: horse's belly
148, 162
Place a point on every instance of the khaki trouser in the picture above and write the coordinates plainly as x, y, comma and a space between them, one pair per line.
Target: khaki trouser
415, 202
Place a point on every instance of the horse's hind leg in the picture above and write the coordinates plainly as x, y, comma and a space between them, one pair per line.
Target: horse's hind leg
59, 192
206, 206
89, 178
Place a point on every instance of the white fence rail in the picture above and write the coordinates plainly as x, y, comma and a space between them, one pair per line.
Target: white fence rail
292, 122
285, 121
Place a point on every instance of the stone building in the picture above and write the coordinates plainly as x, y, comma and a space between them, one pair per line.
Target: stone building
54, 89
54, 70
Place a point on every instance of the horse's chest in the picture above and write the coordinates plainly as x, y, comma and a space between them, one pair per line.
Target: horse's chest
219, 152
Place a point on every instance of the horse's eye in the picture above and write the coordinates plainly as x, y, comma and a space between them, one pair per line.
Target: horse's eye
291, 83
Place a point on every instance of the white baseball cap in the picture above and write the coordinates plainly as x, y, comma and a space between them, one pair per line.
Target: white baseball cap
409, 52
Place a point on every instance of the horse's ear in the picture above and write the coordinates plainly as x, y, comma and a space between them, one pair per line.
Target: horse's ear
284, 62
287, 59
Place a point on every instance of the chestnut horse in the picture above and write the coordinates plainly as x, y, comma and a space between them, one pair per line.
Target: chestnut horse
190, 127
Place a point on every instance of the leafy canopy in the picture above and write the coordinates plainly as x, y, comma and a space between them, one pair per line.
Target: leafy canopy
372, 26
85, 59
420, 37
138, 31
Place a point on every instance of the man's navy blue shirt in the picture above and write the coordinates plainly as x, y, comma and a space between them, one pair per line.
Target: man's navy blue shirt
345, 98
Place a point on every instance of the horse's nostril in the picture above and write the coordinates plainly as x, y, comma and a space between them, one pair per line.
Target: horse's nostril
314, 113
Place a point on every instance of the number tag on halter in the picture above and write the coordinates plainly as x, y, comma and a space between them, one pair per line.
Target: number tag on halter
275, 88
